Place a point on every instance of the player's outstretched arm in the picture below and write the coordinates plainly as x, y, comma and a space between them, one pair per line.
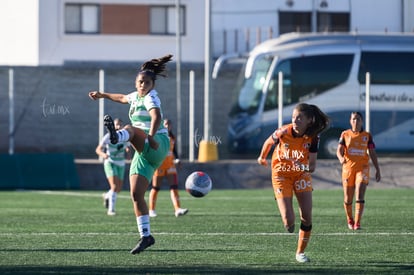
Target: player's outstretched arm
121, 98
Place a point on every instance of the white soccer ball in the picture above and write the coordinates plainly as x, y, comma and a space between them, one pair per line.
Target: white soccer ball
198, 184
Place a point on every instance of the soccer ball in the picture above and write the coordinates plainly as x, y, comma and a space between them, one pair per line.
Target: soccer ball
198, 184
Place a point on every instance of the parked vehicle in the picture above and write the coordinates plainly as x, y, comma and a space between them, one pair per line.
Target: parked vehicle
328, 70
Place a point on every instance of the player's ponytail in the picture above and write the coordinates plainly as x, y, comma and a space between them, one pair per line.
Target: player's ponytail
155, 67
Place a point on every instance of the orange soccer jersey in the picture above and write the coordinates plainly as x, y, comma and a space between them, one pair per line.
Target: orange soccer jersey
356, 146
168, 166
290, 162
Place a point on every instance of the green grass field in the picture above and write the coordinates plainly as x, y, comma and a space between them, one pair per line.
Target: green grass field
227, 232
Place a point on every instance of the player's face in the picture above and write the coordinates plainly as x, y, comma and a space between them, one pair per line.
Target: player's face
300, 122
356, 122
144, 84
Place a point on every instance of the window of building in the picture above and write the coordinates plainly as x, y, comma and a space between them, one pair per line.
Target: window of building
333, 22
81, 18
162, 20
302, 22
294, 22
122, 19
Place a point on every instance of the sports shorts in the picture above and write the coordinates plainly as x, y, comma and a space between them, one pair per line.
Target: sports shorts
146, 162
165, 171
113, 170
285, 186
351, 176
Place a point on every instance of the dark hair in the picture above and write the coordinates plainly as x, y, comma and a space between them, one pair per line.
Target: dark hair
320, 121
155, 67
357, 113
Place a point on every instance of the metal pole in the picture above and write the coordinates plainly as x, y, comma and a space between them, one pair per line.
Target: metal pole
313, 19
207, 55
101, 107
191, 119
280, 100
367, 101
178, 74
11, 111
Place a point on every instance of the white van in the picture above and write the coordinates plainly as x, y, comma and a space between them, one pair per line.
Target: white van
328, 70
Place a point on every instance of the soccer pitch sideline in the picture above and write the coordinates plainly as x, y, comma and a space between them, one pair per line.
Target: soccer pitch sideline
226, 232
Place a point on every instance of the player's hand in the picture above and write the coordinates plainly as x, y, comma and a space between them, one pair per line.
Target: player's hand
152, 143
94, 95
378, 176
261, 161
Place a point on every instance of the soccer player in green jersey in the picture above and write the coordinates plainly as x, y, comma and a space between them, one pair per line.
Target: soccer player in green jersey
114, 166
147, 135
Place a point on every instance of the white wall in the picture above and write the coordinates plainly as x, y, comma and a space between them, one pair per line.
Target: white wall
376, 16
19, 32
32, 31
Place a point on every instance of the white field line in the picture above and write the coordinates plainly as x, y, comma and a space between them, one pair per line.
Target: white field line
99, 195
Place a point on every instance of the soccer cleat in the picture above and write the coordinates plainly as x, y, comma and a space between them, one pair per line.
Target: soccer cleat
105, 200
351, 224
181, 212
143, 243
110, 127
111, 213
357, 226
152, 213
301, 258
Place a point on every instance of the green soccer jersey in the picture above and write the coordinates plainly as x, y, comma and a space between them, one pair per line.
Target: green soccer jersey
139, 110
116, 152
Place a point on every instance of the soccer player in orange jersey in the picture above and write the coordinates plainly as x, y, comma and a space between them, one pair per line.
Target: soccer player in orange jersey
354, 150
293, 159
167, 170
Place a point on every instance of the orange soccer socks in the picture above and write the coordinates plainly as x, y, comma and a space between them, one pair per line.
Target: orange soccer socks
359, 210
349, 216
304, 237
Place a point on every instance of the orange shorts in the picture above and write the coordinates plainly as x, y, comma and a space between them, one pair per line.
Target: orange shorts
164, 171
351, 176
285, 186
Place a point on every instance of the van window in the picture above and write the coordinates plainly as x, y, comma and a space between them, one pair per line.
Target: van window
308, 76
251, 88
387, 68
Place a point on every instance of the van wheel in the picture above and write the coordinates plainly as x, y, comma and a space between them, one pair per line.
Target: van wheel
329, 143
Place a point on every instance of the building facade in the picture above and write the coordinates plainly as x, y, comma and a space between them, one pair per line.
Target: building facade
56, 32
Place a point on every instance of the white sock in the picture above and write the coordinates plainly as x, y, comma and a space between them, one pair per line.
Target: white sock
143, 223
123, 135
112, 200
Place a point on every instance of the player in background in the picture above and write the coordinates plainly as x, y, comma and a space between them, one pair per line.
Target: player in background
354, 150
114, 166
293, 161
147, 135
167, 170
